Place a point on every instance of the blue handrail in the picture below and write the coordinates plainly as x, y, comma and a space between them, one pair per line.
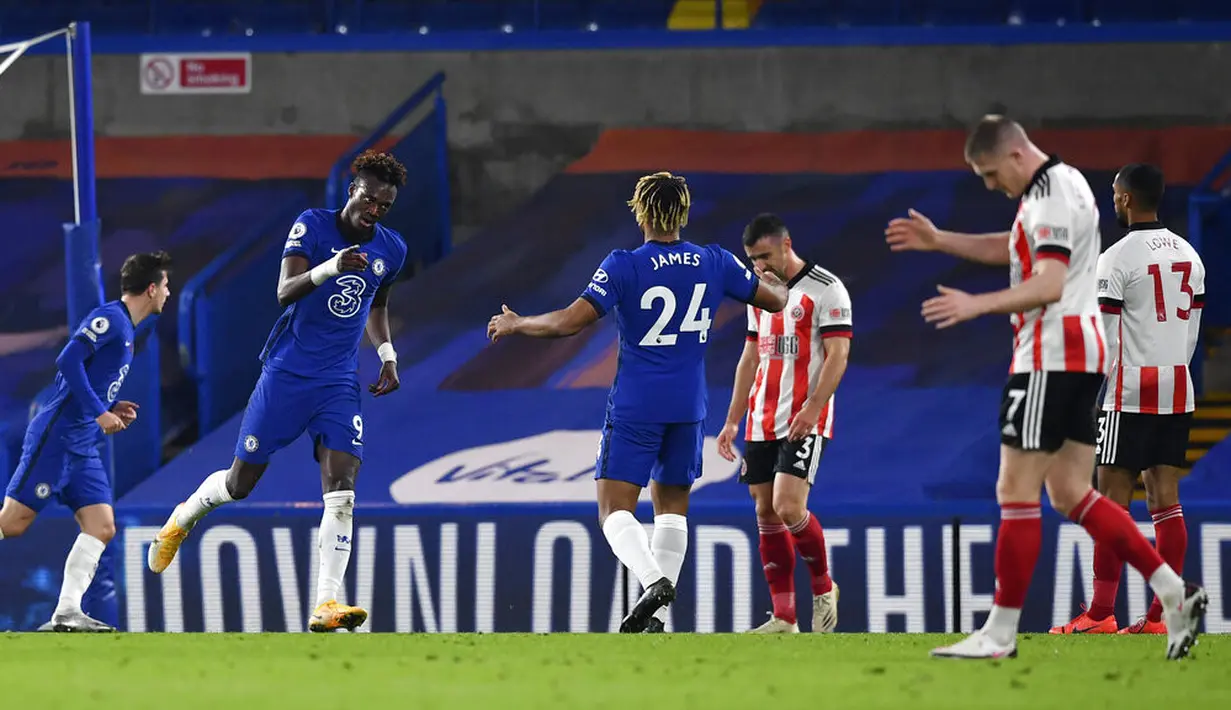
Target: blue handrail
196, 287
335, 185
1207, 182
1202, 201
429, 239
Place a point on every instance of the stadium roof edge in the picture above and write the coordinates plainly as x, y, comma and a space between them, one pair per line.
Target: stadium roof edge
548, 40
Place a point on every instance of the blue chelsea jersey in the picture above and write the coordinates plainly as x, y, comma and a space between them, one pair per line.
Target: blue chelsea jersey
665, 295
319, 334
108, 334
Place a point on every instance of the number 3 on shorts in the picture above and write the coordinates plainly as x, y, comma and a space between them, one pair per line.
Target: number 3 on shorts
805, 448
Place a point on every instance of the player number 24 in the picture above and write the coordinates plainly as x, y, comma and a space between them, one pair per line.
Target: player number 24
696, 319
1185, 270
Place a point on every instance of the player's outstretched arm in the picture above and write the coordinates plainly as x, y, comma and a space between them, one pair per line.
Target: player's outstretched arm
557, 324
745, 373
297, 280
1044, 288
917, 233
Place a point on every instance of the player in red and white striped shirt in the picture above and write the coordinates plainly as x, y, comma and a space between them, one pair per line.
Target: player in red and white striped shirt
1047, 427
1151, 291
792, 363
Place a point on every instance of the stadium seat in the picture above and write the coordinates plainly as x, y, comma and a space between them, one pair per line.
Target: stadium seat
278, 16
193, 218
1108, 12
271, 16
1048, 11
872, 12
452, 14
552, 14
632, 14
1203, 10
236, 16
795, 13
180, 16
436, 15
964, 12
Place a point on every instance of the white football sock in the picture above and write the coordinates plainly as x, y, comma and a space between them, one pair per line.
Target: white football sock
79, 570
1168, 586
631, 546
1001, 625
211, 494
334, 543
669, 544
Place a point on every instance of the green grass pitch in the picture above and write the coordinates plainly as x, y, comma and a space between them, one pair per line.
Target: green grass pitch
545, 672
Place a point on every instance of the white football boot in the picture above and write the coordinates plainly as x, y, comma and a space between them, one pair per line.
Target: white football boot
825, 611
1184, 622
775, 626
976, 645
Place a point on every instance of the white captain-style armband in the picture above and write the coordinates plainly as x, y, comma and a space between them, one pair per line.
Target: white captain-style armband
387, 353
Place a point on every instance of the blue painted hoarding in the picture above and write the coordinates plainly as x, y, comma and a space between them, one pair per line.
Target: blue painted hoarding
547, 568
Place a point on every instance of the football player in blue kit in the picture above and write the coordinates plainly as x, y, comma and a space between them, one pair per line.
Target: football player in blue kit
663, 294
338, 267
59, 458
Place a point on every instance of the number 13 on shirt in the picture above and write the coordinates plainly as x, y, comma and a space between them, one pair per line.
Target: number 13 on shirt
696, 318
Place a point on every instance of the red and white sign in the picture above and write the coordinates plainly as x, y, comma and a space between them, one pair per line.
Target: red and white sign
213, 73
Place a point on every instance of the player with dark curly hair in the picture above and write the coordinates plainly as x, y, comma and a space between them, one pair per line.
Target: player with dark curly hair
337, 269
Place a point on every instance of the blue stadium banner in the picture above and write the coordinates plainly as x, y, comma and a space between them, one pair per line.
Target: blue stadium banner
544, 568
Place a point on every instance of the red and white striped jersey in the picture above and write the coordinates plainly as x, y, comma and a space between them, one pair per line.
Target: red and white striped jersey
1058, 219
792, 351
1151, 292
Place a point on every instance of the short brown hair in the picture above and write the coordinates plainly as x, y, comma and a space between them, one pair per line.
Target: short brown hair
140, 271
990, 134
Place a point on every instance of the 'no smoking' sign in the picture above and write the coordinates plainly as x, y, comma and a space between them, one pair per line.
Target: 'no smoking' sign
159, 74
212, 73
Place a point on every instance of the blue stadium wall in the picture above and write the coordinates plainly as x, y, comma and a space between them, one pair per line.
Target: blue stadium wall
475, 499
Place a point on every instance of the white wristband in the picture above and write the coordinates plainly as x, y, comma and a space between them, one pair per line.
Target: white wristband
323, 272
387, 353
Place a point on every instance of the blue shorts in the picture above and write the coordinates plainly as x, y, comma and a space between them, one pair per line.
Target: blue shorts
47, 471
283, 406
636, 452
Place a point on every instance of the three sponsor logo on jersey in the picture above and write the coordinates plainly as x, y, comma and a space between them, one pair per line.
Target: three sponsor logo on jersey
346, 303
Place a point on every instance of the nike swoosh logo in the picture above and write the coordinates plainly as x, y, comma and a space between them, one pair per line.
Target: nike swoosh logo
335, 251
